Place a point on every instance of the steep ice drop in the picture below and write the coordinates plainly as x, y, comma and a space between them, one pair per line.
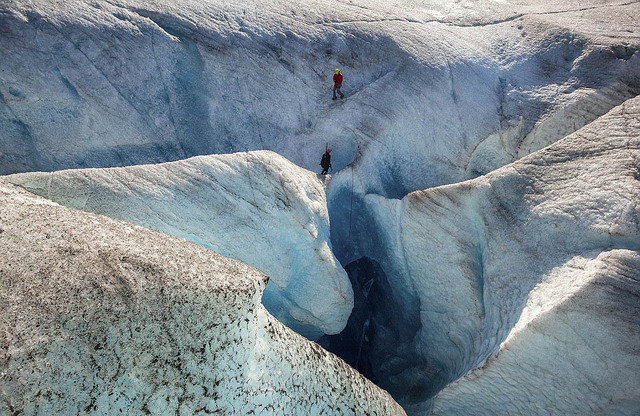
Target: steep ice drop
511, 259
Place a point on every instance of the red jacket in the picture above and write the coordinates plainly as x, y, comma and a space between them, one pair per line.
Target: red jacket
337, 79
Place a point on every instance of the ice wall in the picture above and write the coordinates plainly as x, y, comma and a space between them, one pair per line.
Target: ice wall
255, 207
103, 317
463, 261
98, 84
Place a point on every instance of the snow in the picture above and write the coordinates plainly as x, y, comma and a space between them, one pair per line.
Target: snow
255, 207
105, 317
522, 257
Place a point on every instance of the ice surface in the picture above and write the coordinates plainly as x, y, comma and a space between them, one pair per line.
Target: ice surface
437, 93
255, 207
103, 317
579, 355
524, 251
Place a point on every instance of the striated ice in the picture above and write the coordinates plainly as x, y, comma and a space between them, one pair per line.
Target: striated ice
532, 251
100, 84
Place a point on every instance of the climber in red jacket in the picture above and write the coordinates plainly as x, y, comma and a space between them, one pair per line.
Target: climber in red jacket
337, 84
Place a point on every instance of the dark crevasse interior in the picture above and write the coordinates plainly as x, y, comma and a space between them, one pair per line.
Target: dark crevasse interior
377, 320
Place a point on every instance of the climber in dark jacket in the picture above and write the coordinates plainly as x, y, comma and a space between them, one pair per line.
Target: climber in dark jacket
326, 162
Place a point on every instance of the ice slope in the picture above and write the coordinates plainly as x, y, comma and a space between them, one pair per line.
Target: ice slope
513, 252
436, 92
103, 317
255, 207
574, 351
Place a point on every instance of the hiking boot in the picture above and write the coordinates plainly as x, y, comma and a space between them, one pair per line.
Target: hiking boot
334, 98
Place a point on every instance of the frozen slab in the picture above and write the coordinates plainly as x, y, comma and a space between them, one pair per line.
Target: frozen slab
463, 262
255, 207
104, 317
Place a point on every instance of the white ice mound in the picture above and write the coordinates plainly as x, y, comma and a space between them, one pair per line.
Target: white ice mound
255, 207
464, 261
573, 351
103, 317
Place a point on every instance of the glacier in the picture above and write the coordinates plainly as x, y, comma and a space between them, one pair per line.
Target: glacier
484, 199
121, 83
573, 351
574, 310
255, 207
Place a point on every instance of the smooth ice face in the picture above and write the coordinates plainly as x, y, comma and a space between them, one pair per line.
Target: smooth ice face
255, 207
518, 253
104, 317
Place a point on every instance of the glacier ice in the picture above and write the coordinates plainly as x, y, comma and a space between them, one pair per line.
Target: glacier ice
129, 83
574, 349
255, 207
572, 344
463, 261
100, 316
437, 93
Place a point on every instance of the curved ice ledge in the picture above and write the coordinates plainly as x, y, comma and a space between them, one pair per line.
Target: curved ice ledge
255, 207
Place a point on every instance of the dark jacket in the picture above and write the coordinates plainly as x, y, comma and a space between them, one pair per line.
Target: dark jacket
326, 160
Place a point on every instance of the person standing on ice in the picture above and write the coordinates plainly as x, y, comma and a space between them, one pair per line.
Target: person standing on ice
337, 84
326, 162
